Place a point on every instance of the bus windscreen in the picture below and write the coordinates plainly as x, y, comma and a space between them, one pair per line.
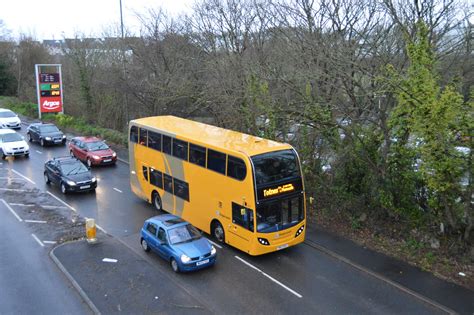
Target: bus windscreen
275, 167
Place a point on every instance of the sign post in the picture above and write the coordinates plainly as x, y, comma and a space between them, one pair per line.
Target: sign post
49, 88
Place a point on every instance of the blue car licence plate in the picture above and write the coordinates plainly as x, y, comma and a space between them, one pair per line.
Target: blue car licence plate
199, 263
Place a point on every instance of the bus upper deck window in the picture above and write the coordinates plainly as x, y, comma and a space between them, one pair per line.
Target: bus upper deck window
134, 134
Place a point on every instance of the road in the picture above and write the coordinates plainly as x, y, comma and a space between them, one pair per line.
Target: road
29, 283
298, 280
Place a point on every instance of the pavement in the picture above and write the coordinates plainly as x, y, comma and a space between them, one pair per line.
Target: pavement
132, 285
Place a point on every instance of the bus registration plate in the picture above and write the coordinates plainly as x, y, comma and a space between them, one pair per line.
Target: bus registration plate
199, 263
282, 246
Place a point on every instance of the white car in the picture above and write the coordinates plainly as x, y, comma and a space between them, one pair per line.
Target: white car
12, 144
9, 119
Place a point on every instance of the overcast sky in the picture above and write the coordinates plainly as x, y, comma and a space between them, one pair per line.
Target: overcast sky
58, 18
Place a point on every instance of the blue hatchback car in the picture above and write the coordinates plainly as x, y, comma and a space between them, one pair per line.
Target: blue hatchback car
177, 241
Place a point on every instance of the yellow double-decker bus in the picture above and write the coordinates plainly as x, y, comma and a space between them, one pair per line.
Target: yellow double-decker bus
243, 190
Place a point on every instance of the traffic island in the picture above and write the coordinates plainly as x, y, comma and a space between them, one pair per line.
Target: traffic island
112, 278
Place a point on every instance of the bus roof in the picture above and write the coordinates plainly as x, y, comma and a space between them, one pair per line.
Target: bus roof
205, 134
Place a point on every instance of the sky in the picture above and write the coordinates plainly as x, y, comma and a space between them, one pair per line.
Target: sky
56, 19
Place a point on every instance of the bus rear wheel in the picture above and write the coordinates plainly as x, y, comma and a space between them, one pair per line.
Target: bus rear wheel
155, 197
218, 231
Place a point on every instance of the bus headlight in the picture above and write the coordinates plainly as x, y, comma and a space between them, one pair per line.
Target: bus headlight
263, 241
213, 250
185, 259
300, 230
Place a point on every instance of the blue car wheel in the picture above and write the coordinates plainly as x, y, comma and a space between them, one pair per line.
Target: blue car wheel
174, 265
145, 246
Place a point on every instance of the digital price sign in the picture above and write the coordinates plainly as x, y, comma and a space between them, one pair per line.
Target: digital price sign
49, 88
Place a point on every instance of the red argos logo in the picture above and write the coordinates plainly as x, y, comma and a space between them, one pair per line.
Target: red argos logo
51, 104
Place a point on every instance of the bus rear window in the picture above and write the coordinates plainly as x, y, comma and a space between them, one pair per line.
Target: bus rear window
134, 134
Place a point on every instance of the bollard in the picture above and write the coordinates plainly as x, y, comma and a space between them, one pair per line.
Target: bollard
91, 231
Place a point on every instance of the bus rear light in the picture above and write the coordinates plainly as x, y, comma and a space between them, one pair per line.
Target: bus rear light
300, 230
263, 241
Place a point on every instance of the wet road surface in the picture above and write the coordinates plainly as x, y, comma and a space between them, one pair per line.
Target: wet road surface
297, 280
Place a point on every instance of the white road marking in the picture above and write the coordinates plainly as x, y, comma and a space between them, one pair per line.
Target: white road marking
53, 207
11, 210
39, 152
49, 242
213, 243
269, 277
116, 189
22, 205
37, 239
111, 260
13, 189
21, 175
12, 178
54, 196
100, 228
35, 221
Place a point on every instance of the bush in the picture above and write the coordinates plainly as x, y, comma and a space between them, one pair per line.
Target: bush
78, 125
23, 108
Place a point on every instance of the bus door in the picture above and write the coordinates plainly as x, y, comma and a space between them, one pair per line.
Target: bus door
241, 229
143, 175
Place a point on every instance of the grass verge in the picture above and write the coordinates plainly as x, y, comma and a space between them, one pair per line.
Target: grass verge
63, 121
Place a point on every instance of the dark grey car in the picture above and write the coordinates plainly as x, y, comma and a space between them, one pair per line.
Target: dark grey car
45, 134
70, 174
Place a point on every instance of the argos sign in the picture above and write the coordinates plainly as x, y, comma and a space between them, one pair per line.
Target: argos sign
49, 88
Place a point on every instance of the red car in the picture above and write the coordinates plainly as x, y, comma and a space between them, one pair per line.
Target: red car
92, 150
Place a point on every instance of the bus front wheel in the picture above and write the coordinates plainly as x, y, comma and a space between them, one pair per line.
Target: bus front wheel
218, 231
156, 201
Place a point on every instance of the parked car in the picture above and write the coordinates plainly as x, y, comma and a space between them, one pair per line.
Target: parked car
70, 174
92, 151
9, 119
178, 242
13, 144
45, 134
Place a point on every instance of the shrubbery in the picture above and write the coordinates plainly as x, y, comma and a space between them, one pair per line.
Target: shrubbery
78, 125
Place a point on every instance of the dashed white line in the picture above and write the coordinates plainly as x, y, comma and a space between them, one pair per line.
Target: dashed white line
269, 277
49, 242
53, 207
13, 189
23, 176
37, 240
12, 178
11, 210
215, 244
36, 221
52, 195
22, 205
39, 152
116, 189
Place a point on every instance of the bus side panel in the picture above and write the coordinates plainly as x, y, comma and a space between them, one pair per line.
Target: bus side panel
137, 182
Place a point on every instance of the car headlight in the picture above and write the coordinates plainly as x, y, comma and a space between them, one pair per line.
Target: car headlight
71, 183
93, 179
96, 157
213, 250
114, 154
64, 136
47, 138
185, 259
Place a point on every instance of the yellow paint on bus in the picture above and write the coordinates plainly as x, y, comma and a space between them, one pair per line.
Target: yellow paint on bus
206, 175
